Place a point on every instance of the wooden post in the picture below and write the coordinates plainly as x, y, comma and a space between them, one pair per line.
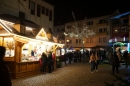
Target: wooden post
18, 51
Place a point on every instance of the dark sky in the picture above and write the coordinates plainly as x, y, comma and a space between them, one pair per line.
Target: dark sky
86, 8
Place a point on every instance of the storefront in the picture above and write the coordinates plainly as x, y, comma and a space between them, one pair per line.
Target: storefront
22, 50
122, 43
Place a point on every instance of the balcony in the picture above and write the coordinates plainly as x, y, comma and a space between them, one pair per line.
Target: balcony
102, 24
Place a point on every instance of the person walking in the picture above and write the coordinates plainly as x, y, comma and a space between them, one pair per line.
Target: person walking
92, 61
115, 63
5, 79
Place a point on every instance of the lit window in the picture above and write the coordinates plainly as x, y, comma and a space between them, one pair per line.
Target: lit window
117, 30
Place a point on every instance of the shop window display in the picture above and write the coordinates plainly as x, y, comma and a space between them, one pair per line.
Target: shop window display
10, 46
32, 52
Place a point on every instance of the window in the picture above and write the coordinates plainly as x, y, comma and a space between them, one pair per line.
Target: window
32, 8
91, 40
50, 16
29, 4
124, 29
100, 30
104, 39
117, 30
38, 10
90, 23
76, 41
100, 39
47, 11
105, 29
43, 10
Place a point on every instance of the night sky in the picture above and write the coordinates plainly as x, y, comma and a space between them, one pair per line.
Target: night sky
85, 8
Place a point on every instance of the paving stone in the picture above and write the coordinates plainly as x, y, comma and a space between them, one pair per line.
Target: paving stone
75, 74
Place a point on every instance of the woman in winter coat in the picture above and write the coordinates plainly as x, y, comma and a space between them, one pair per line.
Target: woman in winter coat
92, 61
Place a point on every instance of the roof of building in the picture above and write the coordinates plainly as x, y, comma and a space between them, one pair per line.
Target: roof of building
120, 15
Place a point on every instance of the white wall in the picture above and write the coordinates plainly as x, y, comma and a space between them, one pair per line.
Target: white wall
12, 7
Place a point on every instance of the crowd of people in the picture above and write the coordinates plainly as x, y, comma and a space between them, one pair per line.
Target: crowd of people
97, 57
114, 58
48, 60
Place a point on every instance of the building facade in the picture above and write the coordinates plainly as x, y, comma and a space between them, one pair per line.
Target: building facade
120, 31
37, 11
101, 27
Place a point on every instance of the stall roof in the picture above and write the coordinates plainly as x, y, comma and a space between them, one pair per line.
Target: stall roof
35, 29
16, 20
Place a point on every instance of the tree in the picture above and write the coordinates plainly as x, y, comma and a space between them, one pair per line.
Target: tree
80, 31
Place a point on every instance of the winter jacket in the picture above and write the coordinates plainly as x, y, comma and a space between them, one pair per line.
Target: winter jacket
5, 79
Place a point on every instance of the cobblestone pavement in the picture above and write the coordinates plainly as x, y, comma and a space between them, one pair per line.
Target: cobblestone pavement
76, 74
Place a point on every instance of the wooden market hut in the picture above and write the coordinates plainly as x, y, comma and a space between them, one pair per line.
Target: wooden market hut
14, 34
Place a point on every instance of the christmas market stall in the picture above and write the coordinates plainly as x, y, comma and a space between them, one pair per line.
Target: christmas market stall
25, 41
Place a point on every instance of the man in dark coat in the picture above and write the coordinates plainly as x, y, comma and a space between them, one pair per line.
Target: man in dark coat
44, 62
49, 62
115, 63
126, 58
5, 79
